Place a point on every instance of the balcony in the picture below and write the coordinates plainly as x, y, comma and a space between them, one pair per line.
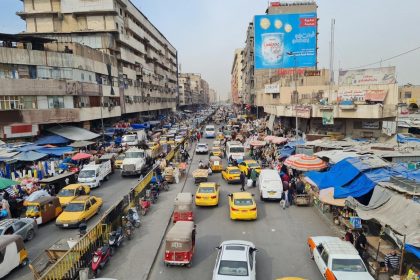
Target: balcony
94, 113
25, 14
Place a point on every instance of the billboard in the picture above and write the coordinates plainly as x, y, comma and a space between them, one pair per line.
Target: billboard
285, 40
362, 95
372, 76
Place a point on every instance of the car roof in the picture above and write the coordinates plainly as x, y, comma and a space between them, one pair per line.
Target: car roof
81, 198
340, 247
250, 161
207, 184
235, 254
242, 195
73, 186
232, 168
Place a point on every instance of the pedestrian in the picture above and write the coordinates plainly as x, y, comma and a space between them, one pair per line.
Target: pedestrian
242, 178
360, 244
5, 206
349, 236
285, 197
392, 262
254, 177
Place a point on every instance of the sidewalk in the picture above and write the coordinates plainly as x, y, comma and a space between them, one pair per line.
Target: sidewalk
135, 258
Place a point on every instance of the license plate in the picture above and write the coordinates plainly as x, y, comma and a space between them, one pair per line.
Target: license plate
65, 225
271, 193
244, 210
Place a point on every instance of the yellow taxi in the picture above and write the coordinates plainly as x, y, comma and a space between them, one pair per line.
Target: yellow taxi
231, 174
220, 136
216, 151
245, 165
242, 206
119, 160
207, 194
80, 209
70, 192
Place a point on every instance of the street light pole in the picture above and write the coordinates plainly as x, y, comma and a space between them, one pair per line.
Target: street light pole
295, 93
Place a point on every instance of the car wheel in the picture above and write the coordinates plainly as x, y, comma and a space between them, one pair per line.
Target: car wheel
30, 235
25, 262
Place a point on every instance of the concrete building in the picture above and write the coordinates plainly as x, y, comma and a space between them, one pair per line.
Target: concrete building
248, 88
147, 62
212, 96
45, 82
193, 89
410, 95
236, 77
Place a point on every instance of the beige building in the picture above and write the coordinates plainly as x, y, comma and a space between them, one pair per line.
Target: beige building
410, 94
193, 89
147, 62
212, 96
236, 77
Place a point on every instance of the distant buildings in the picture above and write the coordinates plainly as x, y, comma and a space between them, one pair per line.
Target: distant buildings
194, 90
237, 79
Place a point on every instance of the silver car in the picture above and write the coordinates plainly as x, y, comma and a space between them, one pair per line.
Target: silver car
235, 260
24, 227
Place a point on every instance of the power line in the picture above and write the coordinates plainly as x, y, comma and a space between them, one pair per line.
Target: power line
387, 59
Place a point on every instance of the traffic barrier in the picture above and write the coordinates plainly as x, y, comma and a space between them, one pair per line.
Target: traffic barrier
79, 256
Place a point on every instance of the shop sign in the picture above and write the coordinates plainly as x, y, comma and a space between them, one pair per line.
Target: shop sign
370, 124
20, 130
303, 112
372, 76
272, 88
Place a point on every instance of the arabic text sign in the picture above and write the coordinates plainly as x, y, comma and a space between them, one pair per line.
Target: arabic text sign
373, 76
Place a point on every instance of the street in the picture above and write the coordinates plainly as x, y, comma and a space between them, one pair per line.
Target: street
280, 236
111, 192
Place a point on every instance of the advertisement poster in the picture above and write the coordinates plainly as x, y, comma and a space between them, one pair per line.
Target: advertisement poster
327, 118
285, 40
372, 76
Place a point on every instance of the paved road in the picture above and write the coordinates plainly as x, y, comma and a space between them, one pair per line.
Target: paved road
280, 236
111, 191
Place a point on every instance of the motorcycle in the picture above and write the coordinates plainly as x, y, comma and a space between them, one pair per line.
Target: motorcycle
128, 229
116, 238
133, 217
154, 193
144, 205
100, 258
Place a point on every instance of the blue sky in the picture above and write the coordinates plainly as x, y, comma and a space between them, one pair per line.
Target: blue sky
206, 32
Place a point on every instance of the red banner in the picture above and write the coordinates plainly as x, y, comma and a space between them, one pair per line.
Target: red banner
24, 128
304, 22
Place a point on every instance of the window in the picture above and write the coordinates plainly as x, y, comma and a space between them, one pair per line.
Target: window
19, 225
324, 256
9, 102
28, 102
82, 76
407, 94
87, 205
251, 258
55, 102
93, 201
9, 231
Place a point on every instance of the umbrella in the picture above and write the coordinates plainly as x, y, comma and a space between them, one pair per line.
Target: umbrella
269, 138
5, 183
278, 140
327, 196
257, 143
305, 163
49, 146
80, 156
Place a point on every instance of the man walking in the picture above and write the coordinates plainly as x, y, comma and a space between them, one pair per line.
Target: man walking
242, 178
360, 244
392, 262
254, 177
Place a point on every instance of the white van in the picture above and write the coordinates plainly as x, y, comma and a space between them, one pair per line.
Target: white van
210, 131
270, 184
235, 149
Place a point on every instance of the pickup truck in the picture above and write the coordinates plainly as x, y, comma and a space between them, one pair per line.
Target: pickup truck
94, 174
337, 259
134, 162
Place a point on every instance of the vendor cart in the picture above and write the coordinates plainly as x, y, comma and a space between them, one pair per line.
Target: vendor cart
302, 199
169, 174
200, 175
182, 166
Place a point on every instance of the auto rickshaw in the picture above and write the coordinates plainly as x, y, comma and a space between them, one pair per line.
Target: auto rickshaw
56, 183
180, 244
44, 209
216, 164
200, 175
169, 174
13, 252
183, 207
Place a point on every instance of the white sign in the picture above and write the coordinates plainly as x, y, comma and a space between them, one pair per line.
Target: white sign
373, 76
272, 88
389, 128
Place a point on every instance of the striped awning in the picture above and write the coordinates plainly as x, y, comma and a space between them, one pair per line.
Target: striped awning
305, 163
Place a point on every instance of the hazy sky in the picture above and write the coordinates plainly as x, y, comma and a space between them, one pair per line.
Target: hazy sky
206, 32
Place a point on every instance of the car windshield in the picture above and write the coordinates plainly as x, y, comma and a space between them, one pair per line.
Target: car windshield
233, 268
129, 138
120, 157
243, 202
65, 192
209, 128
32, 208
134, 155
205, 190
237, 149
348, 265
253, 165
234, 171
87, 174
75, 207
202, 145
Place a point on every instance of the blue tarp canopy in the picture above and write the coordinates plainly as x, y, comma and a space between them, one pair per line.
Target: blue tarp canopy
29, 156
290, 148
140, 126
52, 139
30, 147
59, 151
401, 138
413, 250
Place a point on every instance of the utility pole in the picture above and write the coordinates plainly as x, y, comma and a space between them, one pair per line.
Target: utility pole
295, 93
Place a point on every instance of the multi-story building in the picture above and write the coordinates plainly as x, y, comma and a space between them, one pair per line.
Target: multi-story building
410, 94
212, 96
248, 88
185, 94
236, 77
194, 90
147, 62
205, 91
45, 82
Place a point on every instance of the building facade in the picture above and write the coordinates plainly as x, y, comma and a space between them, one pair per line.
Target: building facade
193, 89
410, 95
236, 77
147, 62
212, 96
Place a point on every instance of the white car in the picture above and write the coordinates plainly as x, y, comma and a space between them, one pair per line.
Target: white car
235, 260
179, 138
202, 148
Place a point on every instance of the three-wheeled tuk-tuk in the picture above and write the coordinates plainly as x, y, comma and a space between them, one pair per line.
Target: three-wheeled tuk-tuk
216, 164
44, 209
56, 183
13, 252
180, 244
183, 207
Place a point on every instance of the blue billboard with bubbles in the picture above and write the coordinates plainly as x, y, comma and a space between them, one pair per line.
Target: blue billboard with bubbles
285, 40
